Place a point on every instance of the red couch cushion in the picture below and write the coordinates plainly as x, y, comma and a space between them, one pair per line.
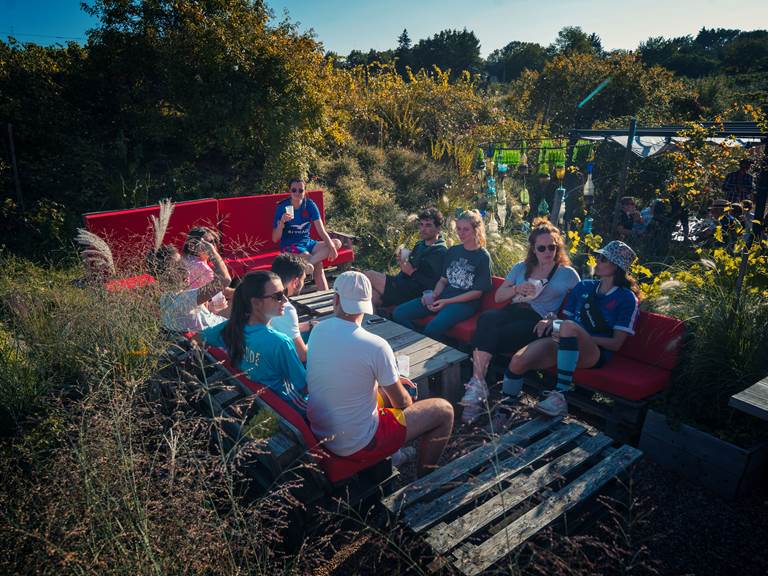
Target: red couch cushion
120, 284
657, 340
129, 232
336, 468
625, 377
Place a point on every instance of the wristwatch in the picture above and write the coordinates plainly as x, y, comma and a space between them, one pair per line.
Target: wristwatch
550, 316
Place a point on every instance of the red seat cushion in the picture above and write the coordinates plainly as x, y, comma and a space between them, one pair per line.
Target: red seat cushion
657, 340
120, 284
336, 468
624, 377
129, 232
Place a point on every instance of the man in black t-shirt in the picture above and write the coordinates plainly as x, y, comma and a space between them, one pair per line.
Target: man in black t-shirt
419, 271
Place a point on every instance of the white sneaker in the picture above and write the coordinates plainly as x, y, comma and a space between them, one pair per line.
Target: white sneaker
554, 404
403, 455
474, 400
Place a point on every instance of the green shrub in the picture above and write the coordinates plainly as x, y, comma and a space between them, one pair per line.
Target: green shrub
725, 353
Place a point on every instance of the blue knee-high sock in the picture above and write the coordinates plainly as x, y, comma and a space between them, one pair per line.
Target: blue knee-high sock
512, 384
567, 358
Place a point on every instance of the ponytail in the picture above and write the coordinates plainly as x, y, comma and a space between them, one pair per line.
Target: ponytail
233, 333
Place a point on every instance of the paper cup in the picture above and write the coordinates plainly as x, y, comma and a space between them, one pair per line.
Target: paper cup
289, 210
404, 365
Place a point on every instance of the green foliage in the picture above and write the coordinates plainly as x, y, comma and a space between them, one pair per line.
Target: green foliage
181, 100
507, 63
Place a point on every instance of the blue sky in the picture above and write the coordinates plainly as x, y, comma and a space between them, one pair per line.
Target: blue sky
344, 25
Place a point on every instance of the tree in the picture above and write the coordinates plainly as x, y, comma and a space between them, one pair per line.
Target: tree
403, 41
748, 52
573, 40
449, 50
509, 62
552, 95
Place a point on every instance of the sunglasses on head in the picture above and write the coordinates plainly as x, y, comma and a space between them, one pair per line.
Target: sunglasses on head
543, 248
277, 296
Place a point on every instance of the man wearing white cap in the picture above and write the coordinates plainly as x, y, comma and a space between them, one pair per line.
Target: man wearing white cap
357, 401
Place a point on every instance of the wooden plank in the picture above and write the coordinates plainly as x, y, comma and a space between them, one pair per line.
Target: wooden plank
443, 537
479, 558
421, 516
753, 400
421, 487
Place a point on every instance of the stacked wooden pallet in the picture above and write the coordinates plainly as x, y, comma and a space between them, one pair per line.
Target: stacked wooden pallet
478, 508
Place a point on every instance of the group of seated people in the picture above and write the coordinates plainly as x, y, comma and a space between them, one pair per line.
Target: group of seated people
344, 379
598, 314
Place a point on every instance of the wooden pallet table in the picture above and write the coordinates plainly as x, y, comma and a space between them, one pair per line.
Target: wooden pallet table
314, 304
477, 509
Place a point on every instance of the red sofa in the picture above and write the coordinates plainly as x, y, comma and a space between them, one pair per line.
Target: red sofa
336, 468
245, 225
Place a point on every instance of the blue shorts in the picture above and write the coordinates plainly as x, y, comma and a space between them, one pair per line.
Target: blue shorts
305, 247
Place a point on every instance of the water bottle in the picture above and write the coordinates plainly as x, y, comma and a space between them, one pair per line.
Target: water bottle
586, 228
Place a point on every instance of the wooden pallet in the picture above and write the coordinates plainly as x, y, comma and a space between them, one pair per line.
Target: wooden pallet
478, 508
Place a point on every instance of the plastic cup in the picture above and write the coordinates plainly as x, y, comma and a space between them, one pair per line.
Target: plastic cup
404, 253
429, 296
404, 365
289, 210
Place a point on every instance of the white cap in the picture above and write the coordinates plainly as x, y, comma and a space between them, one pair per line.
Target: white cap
354, 290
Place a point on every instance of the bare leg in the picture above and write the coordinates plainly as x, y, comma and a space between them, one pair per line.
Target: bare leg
480, 362
589, 353
378, 283
432, 421
538, 354
320, 252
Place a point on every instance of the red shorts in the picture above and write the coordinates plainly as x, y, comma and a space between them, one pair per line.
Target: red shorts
389, 437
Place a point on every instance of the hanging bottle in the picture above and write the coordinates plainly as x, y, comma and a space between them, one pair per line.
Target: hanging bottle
586, 227
525, 198
543, 209
589, 187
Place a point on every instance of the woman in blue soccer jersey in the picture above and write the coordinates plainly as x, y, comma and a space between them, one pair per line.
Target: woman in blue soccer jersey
600, 316
263, 354
291, 227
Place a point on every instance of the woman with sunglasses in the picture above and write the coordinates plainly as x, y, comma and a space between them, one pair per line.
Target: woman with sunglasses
263, 354
291, 227
534, 289
600, 316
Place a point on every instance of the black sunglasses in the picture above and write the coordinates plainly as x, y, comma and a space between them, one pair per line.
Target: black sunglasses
297, 190
550, 247
277, 296
602, 258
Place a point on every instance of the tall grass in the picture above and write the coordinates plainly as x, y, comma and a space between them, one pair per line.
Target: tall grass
97, 478
726, 351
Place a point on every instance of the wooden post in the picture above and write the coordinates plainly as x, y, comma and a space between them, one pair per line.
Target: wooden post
16, 182
625, 169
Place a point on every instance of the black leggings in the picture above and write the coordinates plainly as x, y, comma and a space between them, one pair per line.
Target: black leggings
505, 330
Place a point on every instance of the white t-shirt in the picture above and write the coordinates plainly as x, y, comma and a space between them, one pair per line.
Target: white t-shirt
288, 323
345, 364
180, 312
